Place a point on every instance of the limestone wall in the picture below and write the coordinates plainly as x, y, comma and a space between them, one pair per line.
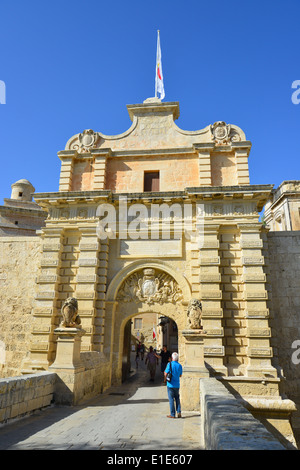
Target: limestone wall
175, 173
19, 258
283, 274
20, 396
74, 386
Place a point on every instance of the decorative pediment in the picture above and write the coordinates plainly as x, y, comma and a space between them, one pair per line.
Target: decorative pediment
149, 286
153, 127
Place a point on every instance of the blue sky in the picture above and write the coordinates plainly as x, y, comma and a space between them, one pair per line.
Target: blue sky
74, 65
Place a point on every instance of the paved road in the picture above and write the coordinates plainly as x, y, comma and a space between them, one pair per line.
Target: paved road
130, 417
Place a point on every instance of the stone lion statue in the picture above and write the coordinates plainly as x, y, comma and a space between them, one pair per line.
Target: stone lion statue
69, 313
194, 314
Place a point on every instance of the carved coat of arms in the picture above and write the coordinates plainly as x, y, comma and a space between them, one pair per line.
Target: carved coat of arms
150, 287
223, 133
87, 140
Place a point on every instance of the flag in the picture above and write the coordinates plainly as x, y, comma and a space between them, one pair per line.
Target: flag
159, 81
154, 334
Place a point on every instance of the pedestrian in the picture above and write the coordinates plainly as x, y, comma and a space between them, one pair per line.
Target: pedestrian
174, 385
151, 361
142, 351
137, 360
165, 358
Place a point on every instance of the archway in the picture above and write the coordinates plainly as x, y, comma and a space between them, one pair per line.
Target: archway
143, 331
147, 287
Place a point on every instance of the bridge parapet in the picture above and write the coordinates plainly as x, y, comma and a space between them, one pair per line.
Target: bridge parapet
22, 395
228, 425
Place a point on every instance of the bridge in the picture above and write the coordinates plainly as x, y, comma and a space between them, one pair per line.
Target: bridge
133, 417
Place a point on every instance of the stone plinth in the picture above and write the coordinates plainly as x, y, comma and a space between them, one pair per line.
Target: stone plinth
68, 348
68, 366
193, 370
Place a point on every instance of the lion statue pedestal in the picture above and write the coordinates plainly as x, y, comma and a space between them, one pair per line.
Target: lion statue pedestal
194, 367
67, 364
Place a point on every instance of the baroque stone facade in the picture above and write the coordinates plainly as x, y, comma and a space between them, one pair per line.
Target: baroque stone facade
191, 248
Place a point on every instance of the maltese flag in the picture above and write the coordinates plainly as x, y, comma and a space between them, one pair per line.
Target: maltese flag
154, 334
159, 81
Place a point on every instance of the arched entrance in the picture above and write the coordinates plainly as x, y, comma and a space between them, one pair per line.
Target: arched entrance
147, 329
147, 287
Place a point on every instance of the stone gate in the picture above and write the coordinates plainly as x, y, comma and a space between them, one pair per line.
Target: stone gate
150, 221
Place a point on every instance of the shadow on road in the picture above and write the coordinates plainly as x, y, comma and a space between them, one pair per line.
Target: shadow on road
136, 390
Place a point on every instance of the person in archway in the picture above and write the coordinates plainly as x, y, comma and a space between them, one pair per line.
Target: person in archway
165, 358
151, 361
142, 351
173, 385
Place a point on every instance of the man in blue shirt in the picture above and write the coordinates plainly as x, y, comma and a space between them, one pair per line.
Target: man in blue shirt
174, 385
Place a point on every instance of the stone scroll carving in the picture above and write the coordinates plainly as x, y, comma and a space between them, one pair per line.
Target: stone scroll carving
149, 286
223, 133
194, 313
84, 141
69, 311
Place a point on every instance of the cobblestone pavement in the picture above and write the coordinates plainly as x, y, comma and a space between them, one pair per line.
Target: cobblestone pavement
130, 417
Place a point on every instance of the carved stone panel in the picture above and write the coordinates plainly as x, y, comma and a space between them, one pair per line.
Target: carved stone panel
150, 286
223, 133
85, 141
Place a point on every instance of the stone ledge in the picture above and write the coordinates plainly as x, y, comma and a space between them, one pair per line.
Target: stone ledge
20, 239
228, 425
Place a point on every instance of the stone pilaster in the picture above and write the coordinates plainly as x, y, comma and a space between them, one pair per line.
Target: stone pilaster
46, 302
66, 172
91, 287
100, 157
211, 296
242, 168
99, 322
204, 169
204, 163
109, 349
259, 351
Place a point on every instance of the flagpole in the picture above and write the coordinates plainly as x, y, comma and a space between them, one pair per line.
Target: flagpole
159, 85
156, 63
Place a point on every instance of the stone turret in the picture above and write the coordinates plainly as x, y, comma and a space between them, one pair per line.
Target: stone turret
20, 215
22, 190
